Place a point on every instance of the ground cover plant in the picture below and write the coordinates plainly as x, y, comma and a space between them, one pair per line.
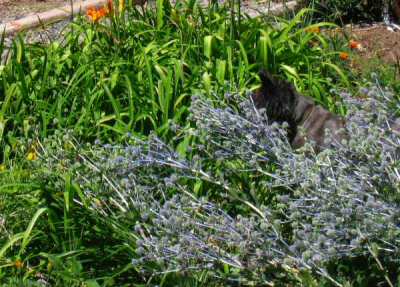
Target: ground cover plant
225, 211
133, 156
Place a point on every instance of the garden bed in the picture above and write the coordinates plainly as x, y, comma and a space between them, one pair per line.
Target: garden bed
378, 42
133, 155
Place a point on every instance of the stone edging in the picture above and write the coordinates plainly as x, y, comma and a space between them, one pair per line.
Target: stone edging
270, 9
50, 16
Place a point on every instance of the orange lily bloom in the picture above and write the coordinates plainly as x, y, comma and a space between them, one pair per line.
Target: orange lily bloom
344, 56
354, 45
92, 13
96, 14
102, 12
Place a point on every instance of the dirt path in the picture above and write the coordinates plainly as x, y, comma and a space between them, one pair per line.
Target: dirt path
14, 9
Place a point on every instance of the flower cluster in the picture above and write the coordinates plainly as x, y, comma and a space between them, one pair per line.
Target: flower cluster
353, 45
95, 14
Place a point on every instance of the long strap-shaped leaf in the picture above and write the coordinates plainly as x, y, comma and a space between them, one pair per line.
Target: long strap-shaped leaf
26, 237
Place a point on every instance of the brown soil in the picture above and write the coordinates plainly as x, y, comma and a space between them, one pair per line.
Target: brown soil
12, 9
379, 42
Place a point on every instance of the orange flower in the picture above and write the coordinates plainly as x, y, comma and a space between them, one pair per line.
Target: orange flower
92, 13
96, 14
354, 45
102, 12
344, 56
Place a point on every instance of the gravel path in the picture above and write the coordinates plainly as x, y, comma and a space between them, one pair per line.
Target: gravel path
44, 34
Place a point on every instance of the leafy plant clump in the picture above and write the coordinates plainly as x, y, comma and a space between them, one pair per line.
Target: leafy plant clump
296, 212
135, 72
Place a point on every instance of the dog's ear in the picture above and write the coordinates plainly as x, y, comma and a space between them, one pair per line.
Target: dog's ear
268, 82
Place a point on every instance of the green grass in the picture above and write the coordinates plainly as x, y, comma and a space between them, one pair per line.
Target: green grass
133, 74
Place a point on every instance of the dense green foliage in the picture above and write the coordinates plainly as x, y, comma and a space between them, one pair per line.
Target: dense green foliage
134, 74
137, 73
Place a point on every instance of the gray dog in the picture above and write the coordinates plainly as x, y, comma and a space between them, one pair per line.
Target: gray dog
284, 104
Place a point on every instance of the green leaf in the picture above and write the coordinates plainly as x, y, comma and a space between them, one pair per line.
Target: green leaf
26, 237
207, 82
197, 186
338, 71
221, 67
160, 13
208, 46
290, 70
92, 283
10, 243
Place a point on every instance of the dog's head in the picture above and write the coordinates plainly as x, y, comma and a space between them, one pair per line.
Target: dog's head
277, 97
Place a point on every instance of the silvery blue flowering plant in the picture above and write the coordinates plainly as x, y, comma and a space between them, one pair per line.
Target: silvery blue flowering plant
339, 203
